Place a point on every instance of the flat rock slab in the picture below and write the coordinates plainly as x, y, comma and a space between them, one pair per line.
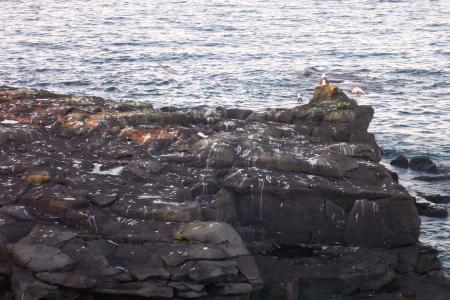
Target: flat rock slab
39, 258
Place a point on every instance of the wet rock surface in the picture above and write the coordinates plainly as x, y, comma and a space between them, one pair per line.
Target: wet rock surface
118, 199
430, 209
427, 205
419, 163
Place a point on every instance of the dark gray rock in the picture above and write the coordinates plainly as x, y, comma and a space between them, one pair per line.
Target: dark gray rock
39, 258
236, 113
436, 198
423, 164
125, 200
433, 178
429, 209
232, 288
26, 287
400, 161
221, 235
220, 208
143, 169
67, 279
321, 277
386, 222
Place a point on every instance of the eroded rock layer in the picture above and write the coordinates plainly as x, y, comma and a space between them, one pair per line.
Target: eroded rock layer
117, 198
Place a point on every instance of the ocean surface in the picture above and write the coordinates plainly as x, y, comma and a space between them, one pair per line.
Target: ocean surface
252, 54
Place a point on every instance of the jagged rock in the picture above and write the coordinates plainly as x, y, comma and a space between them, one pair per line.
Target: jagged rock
130, 201
400, 161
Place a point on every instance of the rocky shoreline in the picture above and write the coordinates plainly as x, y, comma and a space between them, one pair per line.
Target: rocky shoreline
118, 200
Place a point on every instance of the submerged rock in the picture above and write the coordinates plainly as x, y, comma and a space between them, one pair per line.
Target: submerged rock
423, 163
436, 198
433, 178
400, 161
124, 200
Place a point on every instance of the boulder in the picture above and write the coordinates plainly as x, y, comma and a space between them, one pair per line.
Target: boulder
400, 161
423, 164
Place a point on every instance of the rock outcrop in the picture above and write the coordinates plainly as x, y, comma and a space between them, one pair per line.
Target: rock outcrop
120, 199
418, 163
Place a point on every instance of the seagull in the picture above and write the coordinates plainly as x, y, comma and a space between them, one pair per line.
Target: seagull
299, 98
323, 79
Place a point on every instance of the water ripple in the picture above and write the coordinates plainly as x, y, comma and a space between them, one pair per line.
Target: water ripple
251, 54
